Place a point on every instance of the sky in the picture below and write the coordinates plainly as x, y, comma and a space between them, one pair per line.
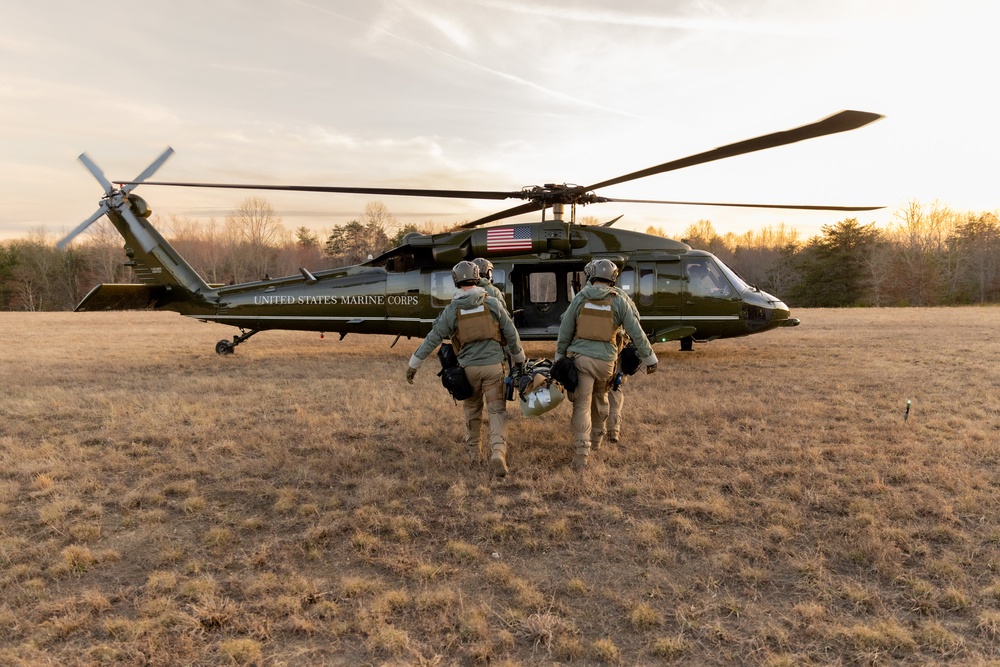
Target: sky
496, 95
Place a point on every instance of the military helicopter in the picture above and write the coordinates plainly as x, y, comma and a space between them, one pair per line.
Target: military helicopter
682, 294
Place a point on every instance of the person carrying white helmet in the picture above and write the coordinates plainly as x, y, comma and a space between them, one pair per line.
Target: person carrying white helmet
616, 393
587, 334
476, 324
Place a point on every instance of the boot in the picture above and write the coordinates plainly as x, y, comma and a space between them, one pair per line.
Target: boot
580, 458
498, 463
613, 437
473, 452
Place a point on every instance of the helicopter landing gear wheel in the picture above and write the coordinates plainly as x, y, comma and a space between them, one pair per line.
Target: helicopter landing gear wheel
687, 344
224, 347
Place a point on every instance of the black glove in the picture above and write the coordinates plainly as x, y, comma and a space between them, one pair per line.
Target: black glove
411, 373
650, 369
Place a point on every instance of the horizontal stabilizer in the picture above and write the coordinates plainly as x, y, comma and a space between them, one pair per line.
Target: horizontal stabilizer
118, 297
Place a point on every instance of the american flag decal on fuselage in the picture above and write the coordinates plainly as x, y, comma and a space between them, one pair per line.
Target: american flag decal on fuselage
509, 238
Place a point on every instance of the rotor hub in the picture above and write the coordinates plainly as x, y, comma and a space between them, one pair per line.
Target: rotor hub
559, 193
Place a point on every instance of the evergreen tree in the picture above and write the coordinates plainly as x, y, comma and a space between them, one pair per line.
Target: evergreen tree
832, 266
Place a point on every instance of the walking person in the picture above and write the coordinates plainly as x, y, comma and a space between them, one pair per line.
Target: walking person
587, 335
476, 324
619, 376
486, 280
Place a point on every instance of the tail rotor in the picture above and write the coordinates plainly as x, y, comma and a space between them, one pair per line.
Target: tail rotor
117, 199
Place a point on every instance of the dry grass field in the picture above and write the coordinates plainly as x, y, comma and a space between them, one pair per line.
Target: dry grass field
299, 504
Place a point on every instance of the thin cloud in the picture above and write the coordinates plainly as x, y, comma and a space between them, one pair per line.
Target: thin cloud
512, 78
717, 23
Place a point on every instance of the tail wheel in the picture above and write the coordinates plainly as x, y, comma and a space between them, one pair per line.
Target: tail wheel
224, 347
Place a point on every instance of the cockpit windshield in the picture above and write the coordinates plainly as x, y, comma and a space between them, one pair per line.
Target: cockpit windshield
740, 284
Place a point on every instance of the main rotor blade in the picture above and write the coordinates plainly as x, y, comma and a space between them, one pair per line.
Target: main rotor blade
82, 226
149, 171
803, 207
839, 122
97, 173
509, 213
406, 192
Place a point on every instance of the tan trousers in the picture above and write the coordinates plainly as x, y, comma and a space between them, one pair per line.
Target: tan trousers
616, 401
487, 383
590, 402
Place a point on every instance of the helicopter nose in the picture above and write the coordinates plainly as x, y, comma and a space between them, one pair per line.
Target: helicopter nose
763, 311
782, 316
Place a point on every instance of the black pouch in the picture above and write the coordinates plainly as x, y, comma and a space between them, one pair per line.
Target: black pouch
456, 382
452, 375
564, 372
447, 356
629, 361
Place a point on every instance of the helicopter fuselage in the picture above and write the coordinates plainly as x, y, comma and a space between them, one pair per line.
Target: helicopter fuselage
537, 266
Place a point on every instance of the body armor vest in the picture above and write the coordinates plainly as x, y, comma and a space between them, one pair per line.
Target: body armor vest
475, 324
596, 321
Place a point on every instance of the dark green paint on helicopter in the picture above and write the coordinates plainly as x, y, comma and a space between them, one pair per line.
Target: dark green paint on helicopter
402, 291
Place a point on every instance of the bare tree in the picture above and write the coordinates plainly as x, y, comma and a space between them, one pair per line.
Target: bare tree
977, 242
702, 235
921, 239
104, 251
255, 232
878, 260
379, 224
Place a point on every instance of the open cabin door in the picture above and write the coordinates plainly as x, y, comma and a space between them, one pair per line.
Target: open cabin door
540, 295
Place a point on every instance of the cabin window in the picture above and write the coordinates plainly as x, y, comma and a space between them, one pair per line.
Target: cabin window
668, 278
626, 282
647, 283
542, 287
442, 288
500, 278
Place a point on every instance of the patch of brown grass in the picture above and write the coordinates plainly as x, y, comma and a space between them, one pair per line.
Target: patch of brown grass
768, 505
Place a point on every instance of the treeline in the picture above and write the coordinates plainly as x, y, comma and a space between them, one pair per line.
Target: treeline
250, 244
928, 256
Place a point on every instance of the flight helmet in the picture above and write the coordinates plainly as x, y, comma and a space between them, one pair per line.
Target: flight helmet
485, 268
465, 272
541, 400
603, 269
